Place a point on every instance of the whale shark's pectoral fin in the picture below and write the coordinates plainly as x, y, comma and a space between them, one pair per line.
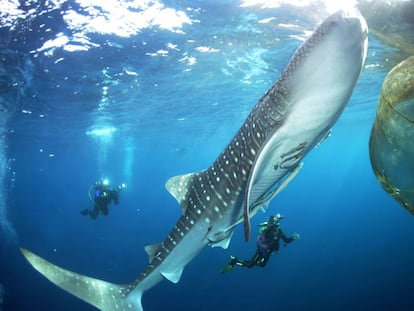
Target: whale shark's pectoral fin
101, 294
264, 201
178, 187
267, 164
222, 239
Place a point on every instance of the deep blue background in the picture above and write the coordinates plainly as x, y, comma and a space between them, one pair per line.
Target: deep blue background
356, 248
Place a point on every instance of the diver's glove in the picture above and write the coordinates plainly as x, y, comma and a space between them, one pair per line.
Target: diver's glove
296, 236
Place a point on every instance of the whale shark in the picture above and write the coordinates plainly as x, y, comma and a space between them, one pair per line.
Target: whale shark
265, 155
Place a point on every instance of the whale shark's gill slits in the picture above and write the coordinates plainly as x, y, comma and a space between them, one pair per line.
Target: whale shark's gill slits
271, 110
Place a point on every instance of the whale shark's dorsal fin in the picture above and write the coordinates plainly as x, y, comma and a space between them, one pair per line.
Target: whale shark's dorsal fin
178, 187
152, 250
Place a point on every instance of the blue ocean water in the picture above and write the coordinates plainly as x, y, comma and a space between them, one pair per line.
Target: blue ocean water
138, 92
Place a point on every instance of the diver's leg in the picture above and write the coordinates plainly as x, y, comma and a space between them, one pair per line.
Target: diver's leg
245, 263
104, 209
85, 212
262, 260
237, 262
94, 213
251, 263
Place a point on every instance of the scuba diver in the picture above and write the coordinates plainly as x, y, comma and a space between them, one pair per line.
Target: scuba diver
268, 240
101, 195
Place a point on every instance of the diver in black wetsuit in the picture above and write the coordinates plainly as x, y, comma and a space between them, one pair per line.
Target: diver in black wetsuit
268, 241
101, 196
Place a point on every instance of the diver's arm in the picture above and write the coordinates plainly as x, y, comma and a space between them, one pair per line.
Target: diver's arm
285, 238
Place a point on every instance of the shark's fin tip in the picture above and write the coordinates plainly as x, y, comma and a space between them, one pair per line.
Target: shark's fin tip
173, 276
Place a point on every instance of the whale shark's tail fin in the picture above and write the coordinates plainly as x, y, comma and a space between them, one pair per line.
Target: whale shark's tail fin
101, 294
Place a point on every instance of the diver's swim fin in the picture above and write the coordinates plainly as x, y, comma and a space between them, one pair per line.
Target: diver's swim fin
229, 266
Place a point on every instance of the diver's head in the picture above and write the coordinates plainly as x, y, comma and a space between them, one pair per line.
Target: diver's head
274, 219
102, 182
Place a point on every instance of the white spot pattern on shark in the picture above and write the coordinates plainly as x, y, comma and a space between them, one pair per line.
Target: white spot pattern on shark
292, 117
